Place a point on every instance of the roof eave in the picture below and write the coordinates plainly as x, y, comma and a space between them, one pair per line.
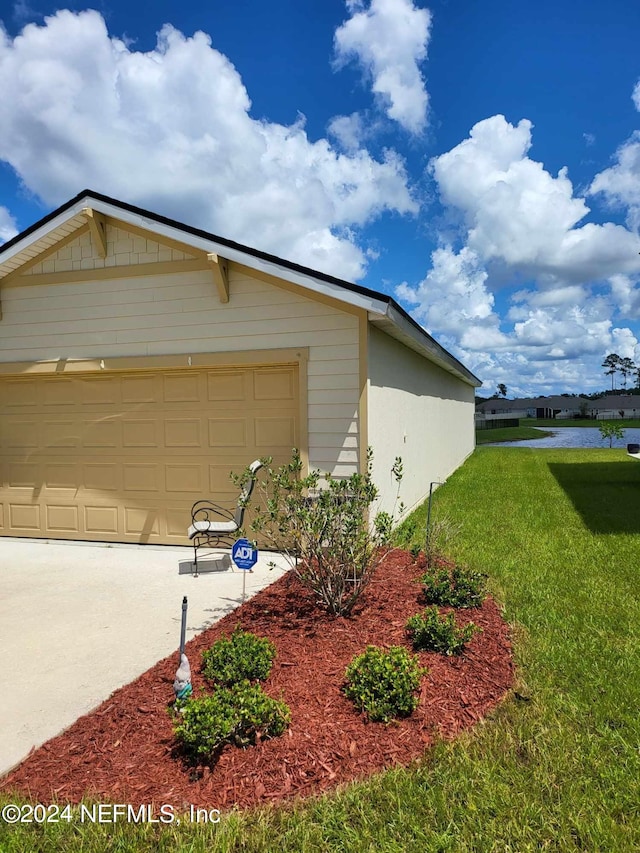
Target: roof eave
382, 310
400, 325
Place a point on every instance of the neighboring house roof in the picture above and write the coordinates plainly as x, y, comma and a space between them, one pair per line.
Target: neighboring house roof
383, 311
616, 401
556, 402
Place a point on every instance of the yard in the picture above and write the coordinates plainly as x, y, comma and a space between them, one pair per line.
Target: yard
557, 765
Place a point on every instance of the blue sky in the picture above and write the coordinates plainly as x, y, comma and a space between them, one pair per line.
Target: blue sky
480, 162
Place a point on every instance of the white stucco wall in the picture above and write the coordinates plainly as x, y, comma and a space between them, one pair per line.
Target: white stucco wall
419, 412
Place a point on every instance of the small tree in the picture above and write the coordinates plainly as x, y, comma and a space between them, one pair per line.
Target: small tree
502, 389
626, 368
325, 533
610, 430
612, 364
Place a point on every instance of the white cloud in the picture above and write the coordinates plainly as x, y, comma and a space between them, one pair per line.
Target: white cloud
7, 225
453, 298
348, 130
389, 39
171, 130
517, 214
518, 224
624, 342
620, 184
626, 295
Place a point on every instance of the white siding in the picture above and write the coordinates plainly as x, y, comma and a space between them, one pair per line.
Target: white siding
181, 313
419, 412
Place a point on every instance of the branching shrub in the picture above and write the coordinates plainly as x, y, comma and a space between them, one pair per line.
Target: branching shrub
431, 632
459, 587
241, 714
383, 683
241, 657
324, 532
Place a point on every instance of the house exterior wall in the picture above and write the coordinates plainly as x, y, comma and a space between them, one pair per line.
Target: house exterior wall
417, 411
180, 313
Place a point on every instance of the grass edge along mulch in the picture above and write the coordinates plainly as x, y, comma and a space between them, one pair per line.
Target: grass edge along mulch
125, 751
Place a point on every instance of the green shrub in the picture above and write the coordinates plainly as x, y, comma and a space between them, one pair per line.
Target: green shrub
241, 657
240, 714
432, 632
383, 683
323, 528
460, 587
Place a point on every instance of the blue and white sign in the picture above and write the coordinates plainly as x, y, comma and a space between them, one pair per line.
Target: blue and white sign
244, 555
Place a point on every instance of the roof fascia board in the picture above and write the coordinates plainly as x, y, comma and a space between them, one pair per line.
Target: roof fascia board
34, 236
269, 267
430, 347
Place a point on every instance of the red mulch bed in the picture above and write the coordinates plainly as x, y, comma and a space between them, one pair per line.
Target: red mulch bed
124, 751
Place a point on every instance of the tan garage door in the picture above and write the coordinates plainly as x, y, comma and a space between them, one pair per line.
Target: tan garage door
122, 457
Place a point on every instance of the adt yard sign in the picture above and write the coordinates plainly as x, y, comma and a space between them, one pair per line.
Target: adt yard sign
244, 555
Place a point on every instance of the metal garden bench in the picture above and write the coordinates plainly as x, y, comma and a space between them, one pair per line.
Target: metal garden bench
212, 525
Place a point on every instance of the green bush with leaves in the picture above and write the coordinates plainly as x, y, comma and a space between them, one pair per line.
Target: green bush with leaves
610, 430
432, 632
241, 657
383, 683
324, 529
458, 587
241, 714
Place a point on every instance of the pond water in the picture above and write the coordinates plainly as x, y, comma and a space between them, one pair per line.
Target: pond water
573, 437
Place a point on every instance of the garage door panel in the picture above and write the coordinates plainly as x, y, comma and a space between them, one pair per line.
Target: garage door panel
174, 520
181, 388
61, 394
62, 519
24, 517
141, 523
226, 386
17, 434
101, 433
101, 391
277, 432
141, 477
123, 457
102, 476
23, 475
139, 433
62, 475
276, 384
139, 389
100, 520
19, 393
182, 433
184, 478
227, 432
59, 434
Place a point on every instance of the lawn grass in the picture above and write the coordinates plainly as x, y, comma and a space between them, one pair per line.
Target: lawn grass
487, 436
557, 766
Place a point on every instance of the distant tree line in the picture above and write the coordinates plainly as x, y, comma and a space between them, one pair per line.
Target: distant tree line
612, 365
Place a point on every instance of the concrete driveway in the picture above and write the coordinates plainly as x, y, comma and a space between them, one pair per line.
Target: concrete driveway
79, 620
